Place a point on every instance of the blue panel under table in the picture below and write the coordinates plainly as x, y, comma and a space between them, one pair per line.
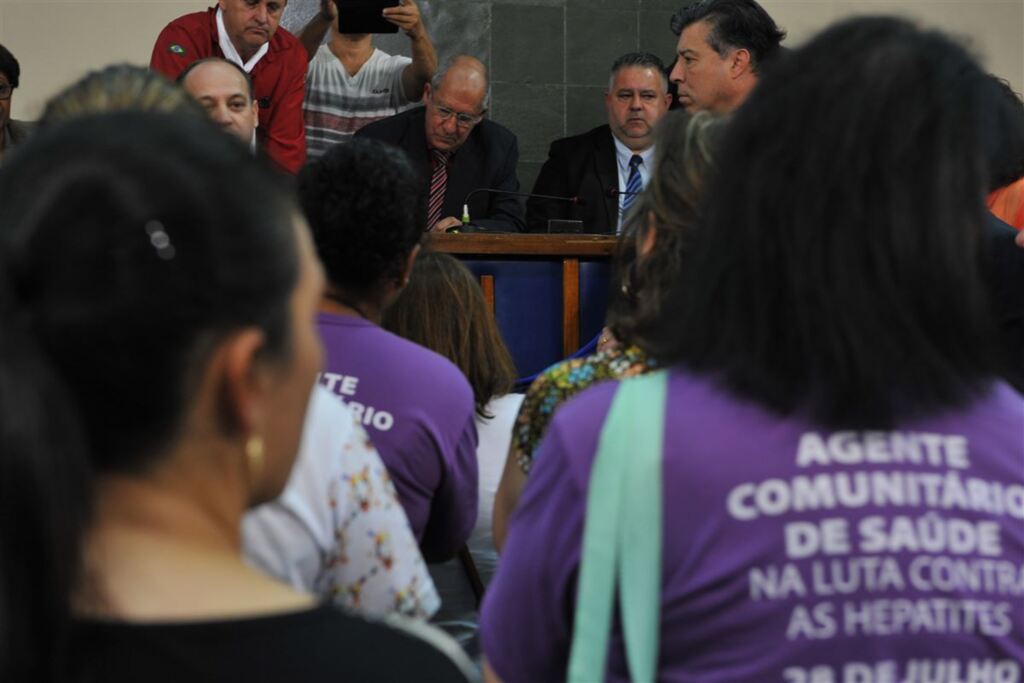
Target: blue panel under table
528, 306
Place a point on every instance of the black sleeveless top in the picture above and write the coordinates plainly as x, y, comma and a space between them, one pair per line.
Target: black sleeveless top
321, 644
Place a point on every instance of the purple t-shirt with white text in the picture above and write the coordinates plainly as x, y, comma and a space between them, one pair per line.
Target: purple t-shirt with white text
790, 553
418, 409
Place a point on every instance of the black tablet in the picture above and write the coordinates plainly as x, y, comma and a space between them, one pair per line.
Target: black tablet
364, 16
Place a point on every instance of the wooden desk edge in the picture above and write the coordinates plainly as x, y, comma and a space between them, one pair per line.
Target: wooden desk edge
514, 244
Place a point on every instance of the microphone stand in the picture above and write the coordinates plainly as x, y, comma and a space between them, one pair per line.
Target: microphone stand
529, 195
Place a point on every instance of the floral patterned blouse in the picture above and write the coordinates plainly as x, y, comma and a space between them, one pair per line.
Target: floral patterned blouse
562, 381
338, 530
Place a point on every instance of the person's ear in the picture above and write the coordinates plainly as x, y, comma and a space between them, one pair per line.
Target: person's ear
650, 236
410, 261
427, 91
241, 381
256, 113
739, 62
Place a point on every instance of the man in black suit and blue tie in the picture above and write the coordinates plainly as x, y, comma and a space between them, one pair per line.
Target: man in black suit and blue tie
608, 166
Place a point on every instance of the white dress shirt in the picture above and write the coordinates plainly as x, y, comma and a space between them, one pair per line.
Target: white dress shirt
228, 48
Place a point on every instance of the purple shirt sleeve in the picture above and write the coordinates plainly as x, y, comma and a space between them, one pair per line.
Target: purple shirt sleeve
526, 622
453, 508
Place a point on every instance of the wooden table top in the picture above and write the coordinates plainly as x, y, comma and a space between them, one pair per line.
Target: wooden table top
523, 244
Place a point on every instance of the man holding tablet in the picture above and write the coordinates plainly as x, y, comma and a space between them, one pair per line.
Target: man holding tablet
350, 83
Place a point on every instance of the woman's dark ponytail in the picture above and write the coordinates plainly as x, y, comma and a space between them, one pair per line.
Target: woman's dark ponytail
129, 243
45, 494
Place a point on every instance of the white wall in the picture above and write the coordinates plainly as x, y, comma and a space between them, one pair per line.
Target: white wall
994, 29
56, 41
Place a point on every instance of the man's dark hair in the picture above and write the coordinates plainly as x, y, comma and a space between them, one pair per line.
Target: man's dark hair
366, 206
9, 66
642, 60
1004, 133
734, 24
220, 60
837, 269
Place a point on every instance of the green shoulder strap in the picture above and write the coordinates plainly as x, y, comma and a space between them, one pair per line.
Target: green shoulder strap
622, 535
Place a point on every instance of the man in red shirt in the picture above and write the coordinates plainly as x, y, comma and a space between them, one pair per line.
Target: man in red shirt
247, 32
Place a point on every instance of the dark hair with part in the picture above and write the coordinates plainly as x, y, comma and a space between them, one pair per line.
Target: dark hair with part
1004, 134
9, 67
130, 244
180, 80
443, 309
683, 159
639, 60
366, 206
734, 24
838, 265
119, 87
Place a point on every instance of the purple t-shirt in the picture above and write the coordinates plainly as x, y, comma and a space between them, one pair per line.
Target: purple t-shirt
790, 554
418, 409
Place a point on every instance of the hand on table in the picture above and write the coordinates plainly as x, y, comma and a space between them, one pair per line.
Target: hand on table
445, 223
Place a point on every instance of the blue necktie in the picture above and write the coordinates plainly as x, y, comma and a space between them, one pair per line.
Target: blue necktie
634, 184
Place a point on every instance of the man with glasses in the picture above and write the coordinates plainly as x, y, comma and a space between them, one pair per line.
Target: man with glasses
11, 132
458, 151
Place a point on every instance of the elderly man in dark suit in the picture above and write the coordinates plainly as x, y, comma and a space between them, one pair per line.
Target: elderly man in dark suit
458, 151
605, 168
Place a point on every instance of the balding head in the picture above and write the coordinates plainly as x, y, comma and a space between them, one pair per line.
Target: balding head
456, 100
225, 91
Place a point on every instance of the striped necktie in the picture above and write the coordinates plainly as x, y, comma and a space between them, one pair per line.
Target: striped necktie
438, 186
634, 184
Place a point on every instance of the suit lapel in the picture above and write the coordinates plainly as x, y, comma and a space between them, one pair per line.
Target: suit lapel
414, 142
607, 173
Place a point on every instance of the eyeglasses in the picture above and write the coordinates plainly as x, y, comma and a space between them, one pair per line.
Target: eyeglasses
464, 120
5, 91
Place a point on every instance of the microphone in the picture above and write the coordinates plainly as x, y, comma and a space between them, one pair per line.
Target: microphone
614, 192
576, 200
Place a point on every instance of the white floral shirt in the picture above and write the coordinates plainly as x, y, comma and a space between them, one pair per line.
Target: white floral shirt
338, 530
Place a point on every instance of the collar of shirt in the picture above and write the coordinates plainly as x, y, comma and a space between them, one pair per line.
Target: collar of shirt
228, 48
622, 156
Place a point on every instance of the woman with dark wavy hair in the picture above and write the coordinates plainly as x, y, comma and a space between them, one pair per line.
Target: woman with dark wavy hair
819, 484
443, 309
648, 260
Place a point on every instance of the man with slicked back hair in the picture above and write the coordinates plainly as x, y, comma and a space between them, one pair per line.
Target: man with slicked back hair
721, 49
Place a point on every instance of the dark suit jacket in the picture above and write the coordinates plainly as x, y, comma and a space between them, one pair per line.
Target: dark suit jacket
1008, 295
488, 159
581, 166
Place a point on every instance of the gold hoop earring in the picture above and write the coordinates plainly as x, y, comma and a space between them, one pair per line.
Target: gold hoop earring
254, 456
